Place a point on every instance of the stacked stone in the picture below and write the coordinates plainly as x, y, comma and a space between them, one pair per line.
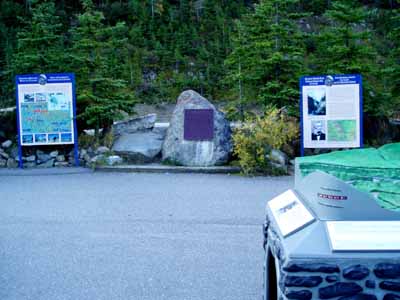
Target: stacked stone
7, 159
308, 280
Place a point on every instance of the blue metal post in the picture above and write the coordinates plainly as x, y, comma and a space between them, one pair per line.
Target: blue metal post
76, 147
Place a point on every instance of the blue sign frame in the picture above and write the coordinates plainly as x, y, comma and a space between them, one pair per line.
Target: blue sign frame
47, 79
330, 80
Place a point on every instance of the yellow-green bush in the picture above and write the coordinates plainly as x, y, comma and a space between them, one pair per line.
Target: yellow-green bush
258, 136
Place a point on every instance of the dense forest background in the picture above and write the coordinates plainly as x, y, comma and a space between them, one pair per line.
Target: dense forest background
242, 52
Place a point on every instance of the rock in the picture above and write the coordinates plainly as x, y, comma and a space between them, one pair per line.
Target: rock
279, 167
370, 284
134, 124
332, 278
311, 267
14, 152
30, 158
161, 128
102, 150
387, 270
97, 159
299, 295
3, 154
278, 157
113, 160
302, 281
82, 153
6, 144
12, 163
29, 165
140, 147
72, 153
61, 164
390, 286
339, 289
91, 132
87, 158
361, 296
355, 272
42, 157
3, 163
196, 153
60, 158
47, 164
54, 154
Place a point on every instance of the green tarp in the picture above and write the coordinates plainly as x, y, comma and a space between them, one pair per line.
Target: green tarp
376, 171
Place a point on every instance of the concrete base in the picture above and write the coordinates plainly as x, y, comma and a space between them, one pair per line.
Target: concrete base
157, 168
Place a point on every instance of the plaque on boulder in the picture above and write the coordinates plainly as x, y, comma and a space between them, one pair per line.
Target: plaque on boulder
198, 125
198, 135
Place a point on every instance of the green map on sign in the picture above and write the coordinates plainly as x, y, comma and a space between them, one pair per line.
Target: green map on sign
342, 130
38, 118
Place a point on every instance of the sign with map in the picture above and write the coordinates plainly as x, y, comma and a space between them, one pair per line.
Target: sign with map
331, 111
46, 109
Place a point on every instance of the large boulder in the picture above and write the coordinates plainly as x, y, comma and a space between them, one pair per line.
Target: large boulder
139, 147
192, 152
135, 124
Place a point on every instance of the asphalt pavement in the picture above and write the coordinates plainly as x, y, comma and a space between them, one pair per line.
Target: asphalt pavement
81, 235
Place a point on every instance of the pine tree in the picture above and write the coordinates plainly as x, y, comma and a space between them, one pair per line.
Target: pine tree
345, 48
395, 58
268, 54
40, 44
101, 95
10, 24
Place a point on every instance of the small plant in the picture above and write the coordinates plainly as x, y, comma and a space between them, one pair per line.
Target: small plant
258, 136
108, 139
86, 141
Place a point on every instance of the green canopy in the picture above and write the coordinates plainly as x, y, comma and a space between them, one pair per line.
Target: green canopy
376, 171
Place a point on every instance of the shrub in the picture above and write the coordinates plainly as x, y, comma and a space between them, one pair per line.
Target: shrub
258, 136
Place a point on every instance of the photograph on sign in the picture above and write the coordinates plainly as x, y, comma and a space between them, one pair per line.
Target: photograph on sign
289, 213
364, 235
45, 107
318, 132
316, 101
331, 111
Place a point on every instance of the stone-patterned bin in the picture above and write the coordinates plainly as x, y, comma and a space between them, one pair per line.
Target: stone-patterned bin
305, 264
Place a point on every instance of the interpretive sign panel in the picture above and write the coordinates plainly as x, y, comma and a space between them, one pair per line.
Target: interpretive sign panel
364, 235
331, 111
199, 125
46, 109
290, 214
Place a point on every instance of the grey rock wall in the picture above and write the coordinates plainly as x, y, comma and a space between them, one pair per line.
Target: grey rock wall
337, 279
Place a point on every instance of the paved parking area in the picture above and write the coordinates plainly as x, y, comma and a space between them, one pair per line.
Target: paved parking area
75, 234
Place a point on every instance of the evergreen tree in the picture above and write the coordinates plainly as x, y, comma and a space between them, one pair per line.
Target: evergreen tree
40, 43
345, 45
10, 14
395, 59
268, 54
345, 48
101, 95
